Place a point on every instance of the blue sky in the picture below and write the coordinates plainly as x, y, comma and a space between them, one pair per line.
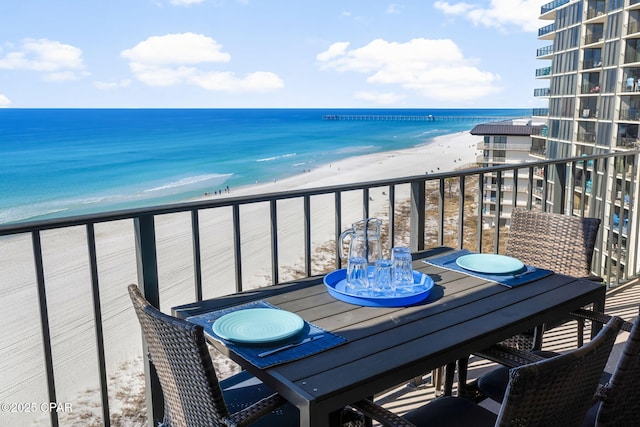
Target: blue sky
270, 54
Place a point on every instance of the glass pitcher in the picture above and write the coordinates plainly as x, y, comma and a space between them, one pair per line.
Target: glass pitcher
364, 240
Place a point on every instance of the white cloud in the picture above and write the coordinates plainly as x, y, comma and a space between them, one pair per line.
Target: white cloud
387, 98
4, 101
334, 51
258, 81
453, 9
112, 85
176, 59
185, 2
433, 69
504, 15
185, 48
57, 61
394, 8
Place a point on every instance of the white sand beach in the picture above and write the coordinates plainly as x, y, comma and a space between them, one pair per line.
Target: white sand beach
68, 281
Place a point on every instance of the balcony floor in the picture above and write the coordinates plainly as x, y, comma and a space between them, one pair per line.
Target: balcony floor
622, 301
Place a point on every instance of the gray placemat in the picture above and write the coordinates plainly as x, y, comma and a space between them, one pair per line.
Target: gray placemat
250, 351
526, 275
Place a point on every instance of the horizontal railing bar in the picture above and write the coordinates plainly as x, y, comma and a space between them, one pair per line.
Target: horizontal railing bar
28, 226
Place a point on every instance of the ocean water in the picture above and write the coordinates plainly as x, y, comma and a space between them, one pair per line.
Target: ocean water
61, 162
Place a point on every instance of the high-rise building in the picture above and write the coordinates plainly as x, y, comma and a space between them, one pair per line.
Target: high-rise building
507, 142
592, 82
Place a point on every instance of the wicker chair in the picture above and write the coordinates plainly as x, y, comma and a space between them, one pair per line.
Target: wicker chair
619, 398
561, 243
617, 402
549, 392
193, 397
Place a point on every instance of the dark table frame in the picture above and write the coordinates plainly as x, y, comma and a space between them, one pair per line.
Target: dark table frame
388, 346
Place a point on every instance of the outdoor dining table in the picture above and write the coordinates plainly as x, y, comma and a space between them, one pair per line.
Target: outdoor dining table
386, 346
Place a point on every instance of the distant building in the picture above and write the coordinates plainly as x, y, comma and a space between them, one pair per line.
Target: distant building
593, 91
507, 142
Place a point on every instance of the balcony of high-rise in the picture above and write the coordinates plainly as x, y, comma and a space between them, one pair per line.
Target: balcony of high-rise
630, 113
543, 91
596, 8
594, 34
588, 137
543, 72
548, 11
545, 52
546, 32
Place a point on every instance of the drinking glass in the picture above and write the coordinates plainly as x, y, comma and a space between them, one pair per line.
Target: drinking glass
357, 278
382, 283
402, 268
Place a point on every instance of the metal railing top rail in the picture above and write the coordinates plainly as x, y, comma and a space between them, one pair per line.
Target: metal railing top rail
48, 224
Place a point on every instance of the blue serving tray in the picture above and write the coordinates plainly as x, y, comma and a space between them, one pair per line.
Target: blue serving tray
336, 281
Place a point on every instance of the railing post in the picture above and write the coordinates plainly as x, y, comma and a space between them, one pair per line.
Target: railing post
560, 187
417, 219
273, 216
461, 213
147, 261
338, 230
496, 235
97, 319
307, 236
197, 257
44, 323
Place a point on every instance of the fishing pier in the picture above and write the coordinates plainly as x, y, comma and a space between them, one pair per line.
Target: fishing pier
410, 118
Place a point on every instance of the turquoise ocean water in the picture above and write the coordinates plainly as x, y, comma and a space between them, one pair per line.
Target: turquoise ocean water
59, 162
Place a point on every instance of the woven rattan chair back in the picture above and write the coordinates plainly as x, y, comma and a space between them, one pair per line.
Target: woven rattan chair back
178, 351
558, 391
557, 242
620, 397
561, 243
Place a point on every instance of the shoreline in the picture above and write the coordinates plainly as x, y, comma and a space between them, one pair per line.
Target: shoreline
68, 279
398, 163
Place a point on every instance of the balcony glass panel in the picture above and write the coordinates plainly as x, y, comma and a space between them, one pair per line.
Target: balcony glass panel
552, 5
546, 29
596, 8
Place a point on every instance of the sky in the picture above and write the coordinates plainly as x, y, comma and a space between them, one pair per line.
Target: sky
270, 54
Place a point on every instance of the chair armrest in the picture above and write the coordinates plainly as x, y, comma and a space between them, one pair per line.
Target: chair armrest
257, 410
380, 414
508, 356
595, 316
594, 278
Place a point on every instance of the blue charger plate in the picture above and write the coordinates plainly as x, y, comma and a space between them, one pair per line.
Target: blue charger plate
336, 283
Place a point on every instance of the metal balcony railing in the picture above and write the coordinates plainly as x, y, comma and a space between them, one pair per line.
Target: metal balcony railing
540, 112
542, 72
543, 91
546, 29
154, 250
552, 5
593, 38
544, 51
598, 9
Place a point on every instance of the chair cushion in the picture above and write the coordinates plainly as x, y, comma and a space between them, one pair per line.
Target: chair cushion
451, 412
243, 389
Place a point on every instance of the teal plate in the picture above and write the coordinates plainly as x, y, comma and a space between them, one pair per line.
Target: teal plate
490, 263
258, 325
